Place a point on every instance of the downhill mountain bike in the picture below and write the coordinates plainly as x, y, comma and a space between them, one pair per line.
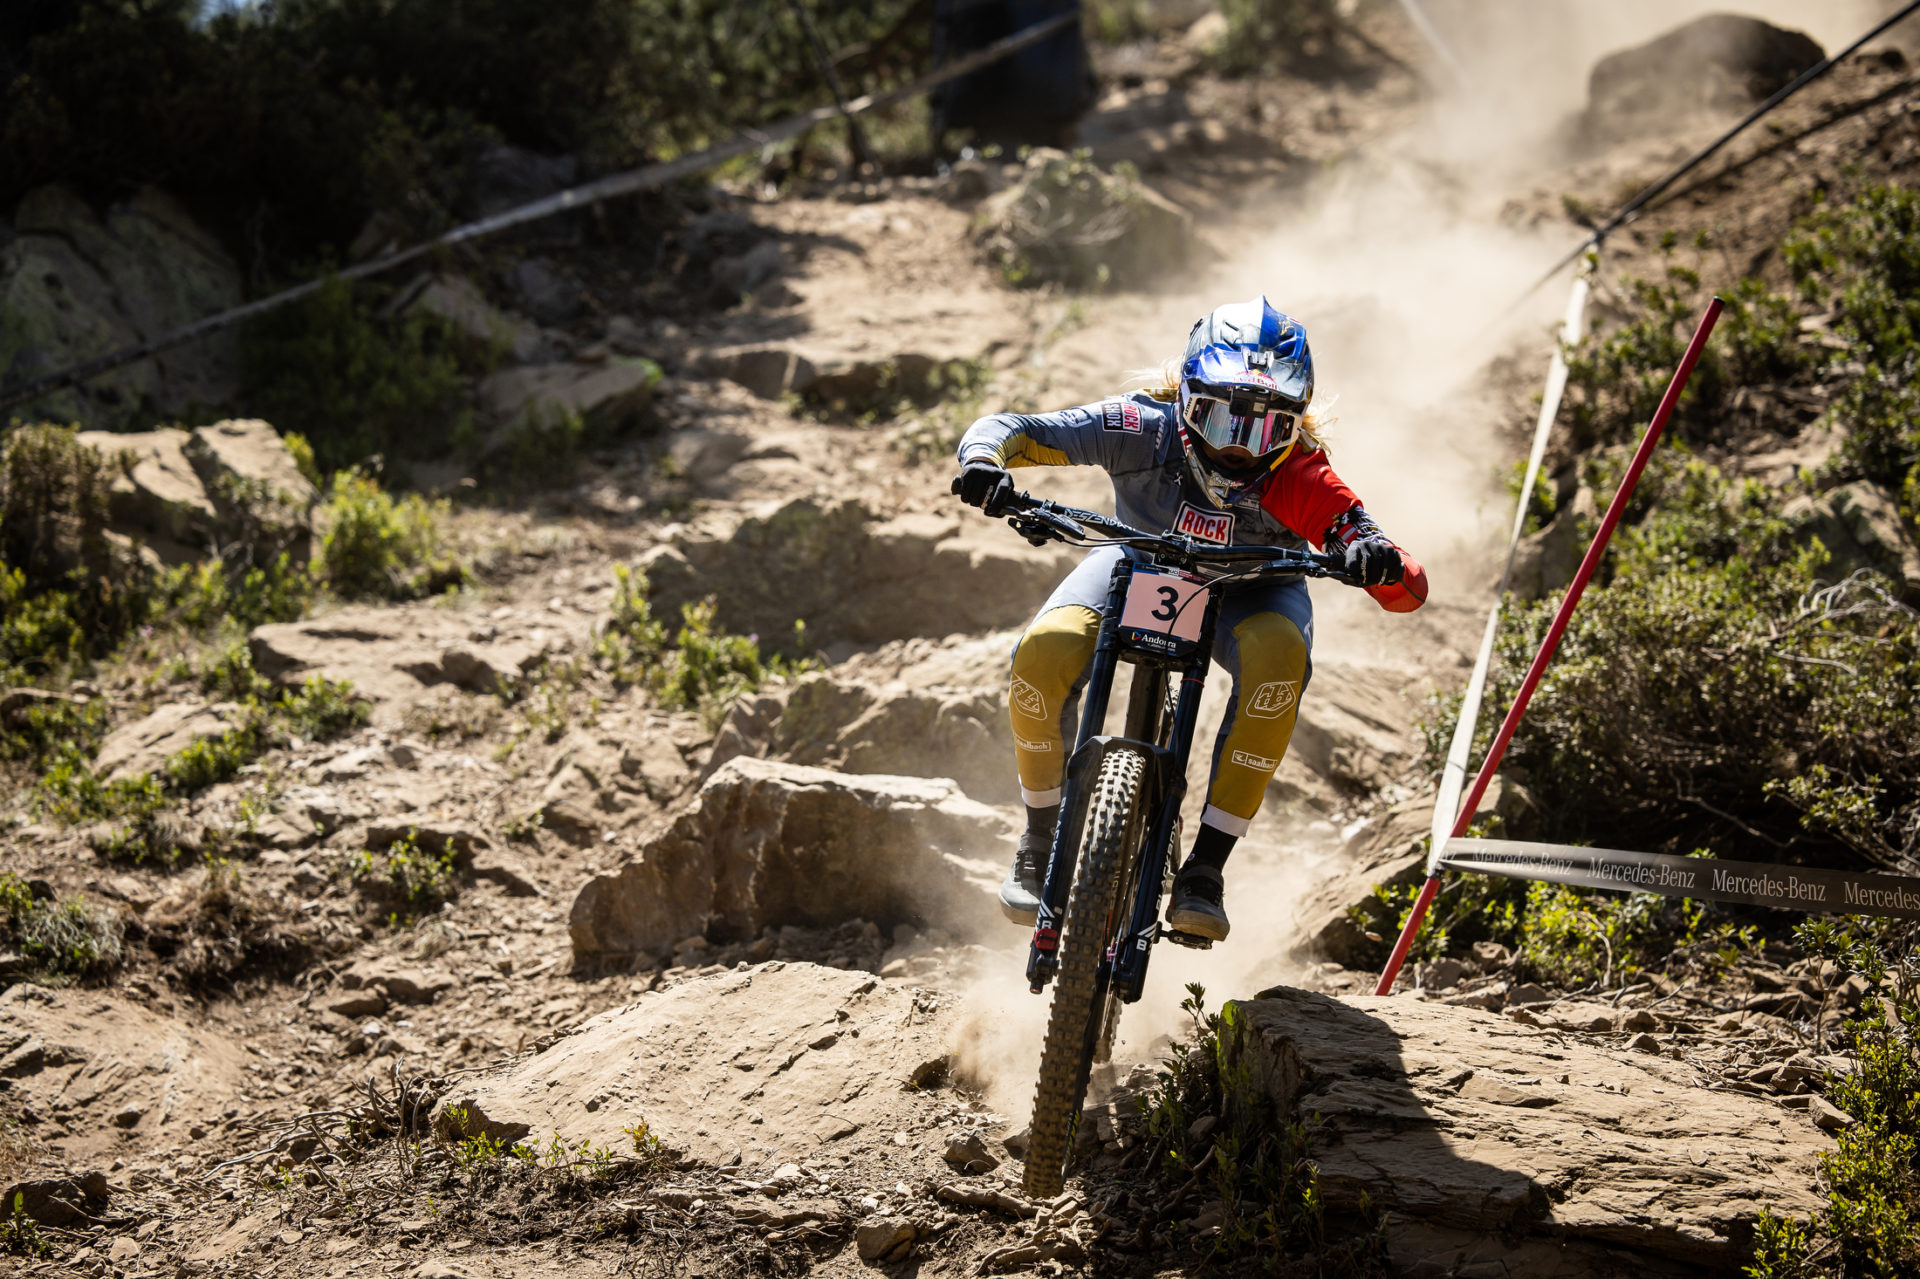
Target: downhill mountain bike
1113, 851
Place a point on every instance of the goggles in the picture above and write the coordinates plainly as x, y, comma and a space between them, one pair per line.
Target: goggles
1250, 418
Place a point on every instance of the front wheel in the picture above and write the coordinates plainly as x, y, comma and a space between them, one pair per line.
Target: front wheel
1081, 1020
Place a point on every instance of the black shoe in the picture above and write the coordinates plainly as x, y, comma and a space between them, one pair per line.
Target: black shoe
1196, 904
1020, 891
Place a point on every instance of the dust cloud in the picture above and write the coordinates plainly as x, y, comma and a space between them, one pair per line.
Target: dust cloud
1399, 264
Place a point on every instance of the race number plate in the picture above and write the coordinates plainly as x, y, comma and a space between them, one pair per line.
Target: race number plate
1165, 602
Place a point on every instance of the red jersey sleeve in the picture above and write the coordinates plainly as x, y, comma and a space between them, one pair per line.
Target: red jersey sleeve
1306, 495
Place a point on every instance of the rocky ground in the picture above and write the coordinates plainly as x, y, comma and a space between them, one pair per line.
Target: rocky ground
737, 979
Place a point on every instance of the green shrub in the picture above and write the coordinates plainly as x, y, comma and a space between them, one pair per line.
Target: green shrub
66, 594
356, 386
375, 545
1715, 687
67, 940
1260, 1166
209, 594
1870, 1228
1864, 258
1617, 375
415, 881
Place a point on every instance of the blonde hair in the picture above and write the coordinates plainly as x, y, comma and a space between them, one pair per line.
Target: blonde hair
1163, 384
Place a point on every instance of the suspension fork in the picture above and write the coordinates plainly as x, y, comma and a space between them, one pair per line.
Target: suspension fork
1130, 958
1043, 957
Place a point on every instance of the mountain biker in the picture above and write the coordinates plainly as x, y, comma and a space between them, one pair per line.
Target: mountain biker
1222, 449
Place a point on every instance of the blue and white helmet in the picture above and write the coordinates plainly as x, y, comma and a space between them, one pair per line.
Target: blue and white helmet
1245, 385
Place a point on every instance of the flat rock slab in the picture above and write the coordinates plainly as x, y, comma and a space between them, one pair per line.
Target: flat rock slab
1466, 1126
122, 1077
391, 656
854, 577
771, 844
786, 1057
145, 745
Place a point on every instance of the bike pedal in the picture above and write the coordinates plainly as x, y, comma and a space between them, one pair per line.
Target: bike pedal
1192, 941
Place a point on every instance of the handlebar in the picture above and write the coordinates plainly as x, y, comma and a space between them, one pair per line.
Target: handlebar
1041, 521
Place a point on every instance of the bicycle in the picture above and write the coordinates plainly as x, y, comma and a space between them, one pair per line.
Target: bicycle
1120, 810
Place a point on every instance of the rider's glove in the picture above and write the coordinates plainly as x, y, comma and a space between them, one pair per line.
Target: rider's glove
1371, 560
985, 485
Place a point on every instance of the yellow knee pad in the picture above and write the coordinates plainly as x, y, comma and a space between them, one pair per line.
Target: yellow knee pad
1273, 665
1047, 663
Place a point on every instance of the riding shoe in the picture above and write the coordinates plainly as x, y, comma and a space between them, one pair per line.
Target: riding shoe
1196, 907
1020, 891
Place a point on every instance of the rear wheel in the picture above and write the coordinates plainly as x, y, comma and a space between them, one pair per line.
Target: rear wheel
1082, 1019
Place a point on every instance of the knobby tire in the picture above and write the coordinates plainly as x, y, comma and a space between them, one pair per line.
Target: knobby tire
1082, 1017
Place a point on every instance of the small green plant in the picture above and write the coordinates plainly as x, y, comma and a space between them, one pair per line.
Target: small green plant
701, 668
375, 545
20, 1234
416, 880
1257, 1161
355, 383
1871, 1224
60, 941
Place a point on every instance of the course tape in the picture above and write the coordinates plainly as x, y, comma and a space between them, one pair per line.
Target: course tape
1803, 888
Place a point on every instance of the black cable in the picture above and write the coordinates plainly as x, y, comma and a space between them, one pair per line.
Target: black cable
1653, 192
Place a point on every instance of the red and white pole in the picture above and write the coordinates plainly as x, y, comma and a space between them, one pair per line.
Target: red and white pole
1552, 641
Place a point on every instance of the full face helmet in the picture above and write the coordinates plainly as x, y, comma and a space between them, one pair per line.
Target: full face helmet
1245, 384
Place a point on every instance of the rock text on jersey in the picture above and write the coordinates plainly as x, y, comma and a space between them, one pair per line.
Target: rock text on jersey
1119, 415
1207, 526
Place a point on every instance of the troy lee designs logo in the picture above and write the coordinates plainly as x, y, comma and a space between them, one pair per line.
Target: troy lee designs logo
1208, 526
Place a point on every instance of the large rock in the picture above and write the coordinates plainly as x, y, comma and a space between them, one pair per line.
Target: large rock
784, 1057
1721, 62
256, 485
75, 284
1067, 222
155, 491
854, 727
230, 485
394, 655
459, 302
145, 745
770, 844
1861, 527
1483, 1140
607, 393
854, 577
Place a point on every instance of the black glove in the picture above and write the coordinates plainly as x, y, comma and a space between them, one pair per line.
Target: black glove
985, 485
1373, 561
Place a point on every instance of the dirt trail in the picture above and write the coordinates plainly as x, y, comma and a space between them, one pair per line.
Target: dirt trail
876, 1039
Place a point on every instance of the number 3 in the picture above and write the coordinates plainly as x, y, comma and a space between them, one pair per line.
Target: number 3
1169, 604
